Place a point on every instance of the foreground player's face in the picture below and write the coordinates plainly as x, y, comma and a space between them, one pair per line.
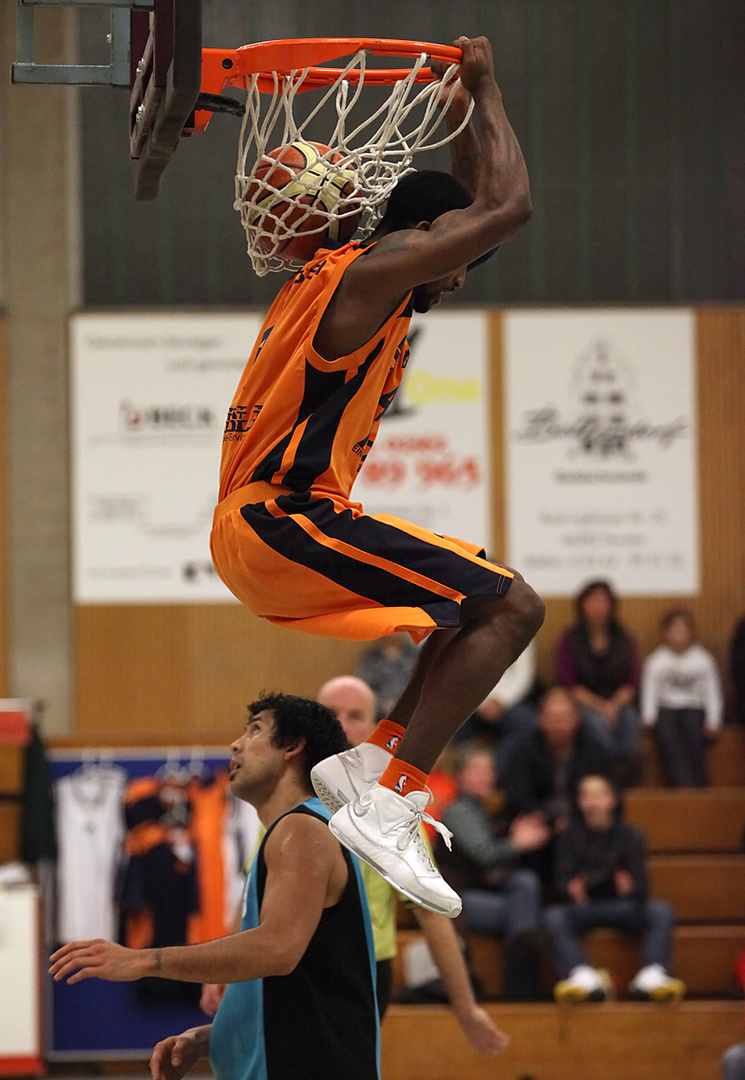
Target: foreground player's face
426, 296
255, 762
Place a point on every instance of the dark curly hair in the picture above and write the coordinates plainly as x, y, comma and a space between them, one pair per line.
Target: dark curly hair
295, 718
423, 196
600, 585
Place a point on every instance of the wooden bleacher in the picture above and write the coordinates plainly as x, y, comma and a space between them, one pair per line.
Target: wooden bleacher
615, 1041
697, 862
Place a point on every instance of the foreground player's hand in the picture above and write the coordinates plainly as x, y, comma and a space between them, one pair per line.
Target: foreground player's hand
212, 995
175, 1056
482, 1033
98, 959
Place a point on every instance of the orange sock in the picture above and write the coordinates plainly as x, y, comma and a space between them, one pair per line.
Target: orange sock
404, 778
387, 735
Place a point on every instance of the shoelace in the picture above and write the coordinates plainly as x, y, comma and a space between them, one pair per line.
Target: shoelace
412, 831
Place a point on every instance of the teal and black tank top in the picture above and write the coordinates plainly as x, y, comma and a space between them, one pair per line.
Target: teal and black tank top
320, 1022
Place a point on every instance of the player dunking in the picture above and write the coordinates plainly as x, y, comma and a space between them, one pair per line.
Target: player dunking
291, 545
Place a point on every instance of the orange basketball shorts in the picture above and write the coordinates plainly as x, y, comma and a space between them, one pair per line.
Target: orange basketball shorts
318, 563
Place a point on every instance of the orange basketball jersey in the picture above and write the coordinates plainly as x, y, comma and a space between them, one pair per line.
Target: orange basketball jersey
298, 420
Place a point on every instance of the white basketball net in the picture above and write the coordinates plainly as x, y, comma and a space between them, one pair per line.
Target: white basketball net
376, 152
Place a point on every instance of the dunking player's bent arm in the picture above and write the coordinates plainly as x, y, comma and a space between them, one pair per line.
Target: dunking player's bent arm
457, 667
436, 255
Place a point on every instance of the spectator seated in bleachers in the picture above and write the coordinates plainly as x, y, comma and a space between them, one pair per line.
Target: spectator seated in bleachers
601, 880
598, 662
508, 711
681, 700
386, 666
500, 898
546, 766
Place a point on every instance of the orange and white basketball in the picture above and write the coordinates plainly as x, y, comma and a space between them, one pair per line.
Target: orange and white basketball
295, 199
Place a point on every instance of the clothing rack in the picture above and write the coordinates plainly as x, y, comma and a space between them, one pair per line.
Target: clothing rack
97, 1020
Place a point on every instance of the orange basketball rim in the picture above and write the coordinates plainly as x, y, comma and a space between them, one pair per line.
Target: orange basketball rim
287, 59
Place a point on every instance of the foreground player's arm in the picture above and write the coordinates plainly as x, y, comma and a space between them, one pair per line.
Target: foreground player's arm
478, 1027
174, 1057
306, 872
213, 993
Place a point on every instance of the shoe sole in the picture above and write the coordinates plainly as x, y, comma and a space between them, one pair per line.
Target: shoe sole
429, 905
661, 994
580, 997
332, 799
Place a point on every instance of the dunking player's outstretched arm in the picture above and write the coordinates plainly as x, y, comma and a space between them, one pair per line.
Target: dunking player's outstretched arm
465, 147
439, 252
306, 873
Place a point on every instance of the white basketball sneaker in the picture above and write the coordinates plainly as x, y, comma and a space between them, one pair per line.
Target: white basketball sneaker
382, 828
652, 983
342, 777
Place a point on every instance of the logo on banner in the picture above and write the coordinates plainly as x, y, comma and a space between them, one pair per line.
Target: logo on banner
603, 425
165, 419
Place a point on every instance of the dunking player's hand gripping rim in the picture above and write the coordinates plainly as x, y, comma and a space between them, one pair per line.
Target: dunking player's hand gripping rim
340, 185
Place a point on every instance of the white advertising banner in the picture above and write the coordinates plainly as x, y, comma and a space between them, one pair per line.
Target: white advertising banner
601, 450
150, 393
431, 461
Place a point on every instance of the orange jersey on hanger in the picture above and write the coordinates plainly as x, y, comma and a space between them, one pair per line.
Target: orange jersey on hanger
298, 420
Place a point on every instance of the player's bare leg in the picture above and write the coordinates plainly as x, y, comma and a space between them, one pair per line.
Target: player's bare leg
464, 669
455, 672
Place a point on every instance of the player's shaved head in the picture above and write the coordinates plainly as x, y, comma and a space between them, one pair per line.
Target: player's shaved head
353, 702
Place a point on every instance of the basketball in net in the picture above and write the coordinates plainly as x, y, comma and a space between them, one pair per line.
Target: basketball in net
297, 195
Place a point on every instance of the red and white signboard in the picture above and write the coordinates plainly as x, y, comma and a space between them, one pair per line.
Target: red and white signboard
431, 461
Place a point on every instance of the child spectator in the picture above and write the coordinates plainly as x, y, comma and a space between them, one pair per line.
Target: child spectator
681, 700
601, 880
500, 897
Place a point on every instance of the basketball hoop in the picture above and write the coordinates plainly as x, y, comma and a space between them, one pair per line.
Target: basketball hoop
378, 149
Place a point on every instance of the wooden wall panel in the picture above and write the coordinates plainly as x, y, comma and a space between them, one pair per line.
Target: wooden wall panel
184, 674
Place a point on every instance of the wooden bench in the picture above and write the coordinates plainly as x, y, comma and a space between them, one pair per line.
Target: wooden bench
618, 1041
702, 888
725, 761
708, 821
703, 956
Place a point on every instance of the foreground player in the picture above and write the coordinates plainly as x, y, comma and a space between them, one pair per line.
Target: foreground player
287, 540
353, 703
302, 998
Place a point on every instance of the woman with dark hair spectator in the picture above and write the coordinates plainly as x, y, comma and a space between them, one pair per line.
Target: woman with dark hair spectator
598, 662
